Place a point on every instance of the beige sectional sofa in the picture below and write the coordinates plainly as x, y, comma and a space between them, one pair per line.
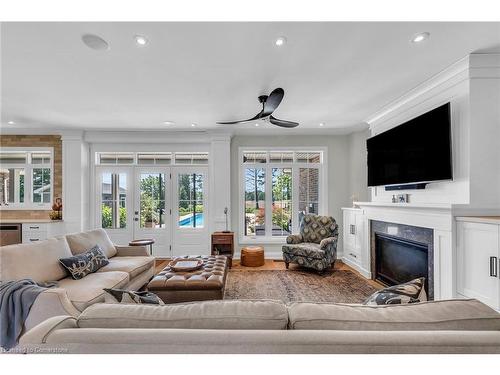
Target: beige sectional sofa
453, 326
128, 268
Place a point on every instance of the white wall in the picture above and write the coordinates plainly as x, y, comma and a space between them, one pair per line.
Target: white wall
338, 174
358, 171
472, 86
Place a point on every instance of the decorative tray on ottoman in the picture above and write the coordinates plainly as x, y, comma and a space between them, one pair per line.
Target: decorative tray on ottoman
185, 265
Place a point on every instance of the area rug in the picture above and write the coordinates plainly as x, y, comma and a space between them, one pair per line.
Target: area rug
338, 286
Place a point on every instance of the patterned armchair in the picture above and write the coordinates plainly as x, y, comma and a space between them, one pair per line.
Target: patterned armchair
315, 246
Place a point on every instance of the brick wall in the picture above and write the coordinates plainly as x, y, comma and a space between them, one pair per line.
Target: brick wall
36, 141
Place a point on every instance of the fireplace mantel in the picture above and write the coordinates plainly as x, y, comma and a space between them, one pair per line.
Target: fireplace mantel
437, 217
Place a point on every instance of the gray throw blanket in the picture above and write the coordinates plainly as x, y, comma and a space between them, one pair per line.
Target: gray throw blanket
16, 299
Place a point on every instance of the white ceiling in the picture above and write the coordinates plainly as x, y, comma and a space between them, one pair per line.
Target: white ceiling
335, 73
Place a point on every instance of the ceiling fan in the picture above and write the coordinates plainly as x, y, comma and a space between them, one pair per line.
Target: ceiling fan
269, 105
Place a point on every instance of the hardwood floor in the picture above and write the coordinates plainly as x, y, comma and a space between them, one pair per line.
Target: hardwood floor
272, 264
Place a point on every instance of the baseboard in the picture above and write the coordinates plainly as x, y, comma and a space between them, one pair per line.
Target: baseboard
357, 267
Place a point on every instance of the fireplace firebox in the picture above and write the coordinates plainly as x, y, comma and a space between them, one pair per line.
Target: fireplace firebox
401, 253
399, 260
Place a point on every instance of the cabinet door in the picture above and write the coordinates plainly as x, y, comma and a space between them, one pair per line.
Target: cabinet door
349, 239
478, 251
358, 231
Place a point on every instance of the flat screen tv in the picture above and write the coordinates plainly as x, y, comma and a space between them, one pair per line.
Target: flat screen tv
416, 151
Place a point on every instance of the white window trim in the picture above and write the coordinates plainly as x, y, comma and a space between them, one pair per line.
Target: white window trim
323, 194
28, 178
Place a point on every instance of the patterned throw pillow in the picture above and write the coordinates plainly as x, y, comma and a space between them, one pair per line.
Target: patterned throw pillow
410, 292
82, 264
128, 296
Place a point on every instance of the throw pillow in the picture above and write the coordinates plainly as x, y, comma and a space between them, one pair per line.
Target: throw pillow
410, 292
128, 296
82, 264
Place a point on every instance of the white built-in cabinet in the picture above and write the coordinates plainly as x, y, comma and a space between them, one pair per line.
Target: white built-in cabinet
37, 231
478, 259
353, 236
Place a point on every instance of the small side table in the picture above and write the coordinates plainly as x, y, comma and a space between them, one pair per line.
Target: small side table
223, 244
143, 242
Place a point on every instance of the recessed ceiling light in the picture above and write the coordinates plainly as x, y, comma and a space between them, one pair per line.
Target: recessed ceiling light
280, 41
140, 40
11, 123
95, 42
321, 124
168, 123
420, 37
193, 124
256, 124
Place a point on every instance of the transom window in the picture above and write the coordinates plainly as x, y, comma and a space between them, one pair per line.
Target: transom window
156, 158
277, 188
26, 178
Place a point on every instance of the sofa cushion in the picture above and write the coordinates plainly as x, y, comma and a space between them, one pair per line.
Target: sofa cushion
133, 265
130, 296
85, 263
89, 290
459, 315
305, 249
38, 261
229, 314
81, 242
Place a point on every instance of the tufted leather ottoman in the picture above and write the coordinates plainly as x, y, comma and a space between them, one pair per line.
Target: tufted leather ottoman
206, 283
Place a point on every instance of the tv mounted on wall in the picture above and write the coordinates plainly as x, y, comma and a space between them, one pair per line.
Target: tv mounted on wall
417, 151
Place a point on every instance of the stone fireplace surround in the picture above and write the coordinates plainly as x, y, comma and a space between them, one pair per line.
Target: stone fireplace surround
406, 232
435, 217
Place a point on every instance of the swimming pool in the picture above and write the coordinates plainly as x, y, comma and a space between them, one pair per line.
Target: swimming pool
188, 221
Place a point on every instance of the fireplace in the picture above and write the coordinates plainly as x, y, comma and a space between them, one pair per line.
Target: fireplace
401, 253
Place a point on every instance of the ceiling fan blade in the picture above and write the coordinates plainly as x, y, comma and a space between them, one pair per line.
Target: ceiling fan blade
273, 101
283, 123
256, 117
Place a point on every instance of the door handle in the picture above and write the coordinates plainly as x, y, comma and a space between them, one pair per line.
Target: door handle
493, 267
136, 212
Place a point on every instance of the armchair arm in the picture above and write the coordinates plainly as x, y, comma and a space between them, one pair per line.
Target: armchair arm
328, 241
131, 251
294, 239
329, 244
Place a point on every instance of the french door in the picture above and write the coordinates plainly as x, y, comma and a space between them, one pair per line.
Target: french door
167, 204
190, 229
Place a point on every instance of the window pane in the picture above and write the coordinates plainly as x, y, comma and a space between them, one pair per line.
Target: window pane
116, 158
11, 186
282, 201
152, 196
12, 158
255, 198
40, 158
191, 203
162, 159
113, 200
308, 191
41, 185
191, 158
281, 157
258, 157
308, 157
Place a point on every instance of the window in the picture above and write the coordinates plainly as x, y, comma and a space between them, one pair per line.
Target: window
255, 202
278, 187
190, 195
113, 200
153, 158
26, 180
